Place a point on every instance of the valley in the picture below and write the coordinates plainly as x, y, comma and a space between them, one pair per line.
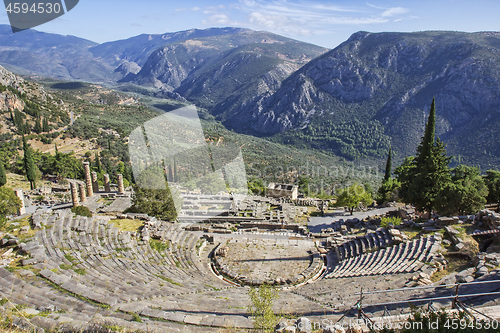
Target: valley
167, 181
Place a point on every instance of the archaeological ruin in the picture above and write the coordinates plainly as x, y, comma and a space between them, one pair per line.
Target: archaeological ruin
194, 274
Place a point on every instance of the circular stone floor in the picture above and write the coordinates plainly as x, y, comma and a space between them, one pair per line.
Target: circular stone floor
269, 259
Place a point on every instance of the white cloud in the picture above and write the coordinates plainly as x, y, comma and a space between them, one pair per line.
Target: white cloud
394, 11
356, 20
277, 22
249, 3
219, 19
195, 9
299, 17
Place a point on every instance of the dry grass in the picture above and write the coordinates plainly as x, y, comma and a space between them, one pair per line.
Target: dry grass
16, 229
77, 145
19, 181
456, 263
127, 224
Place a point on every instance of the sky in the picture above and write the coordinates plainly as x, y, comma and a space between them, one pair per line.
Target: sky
325, 23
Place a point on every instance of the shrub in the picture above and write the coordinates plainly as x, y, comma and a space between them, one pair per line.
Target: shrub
82, 211
384, 223
261, 307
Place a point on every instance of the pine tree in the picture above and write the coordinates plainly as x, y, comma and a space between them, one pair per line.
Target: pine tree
29, 165
3, 175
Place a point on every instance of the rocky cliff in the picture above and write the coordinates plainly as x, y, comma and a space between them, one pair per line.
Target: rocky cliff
388, 80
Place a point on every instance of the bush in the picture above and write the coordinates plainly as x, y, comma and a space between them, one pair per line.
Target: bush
261, 307
384, 223
82, 211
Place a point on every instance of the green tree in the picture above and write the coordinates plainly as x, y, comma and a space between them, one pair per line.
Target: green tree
429, 173
152, 195
45, 125
261, 307
388, 166
353, 196
38, 127
465, 194
304, 184
3, 175
256, 186
176, 174
9, 204
431, 177
212, 183
404, 174
97, 163
170, 174
388, 190
492, 180
29, 166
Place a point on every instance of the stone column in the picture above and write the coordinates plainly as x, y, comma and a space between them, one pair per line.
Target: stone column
107, 183
95, 185
88, 180
121, 189
83, 196
20, 195
74, 194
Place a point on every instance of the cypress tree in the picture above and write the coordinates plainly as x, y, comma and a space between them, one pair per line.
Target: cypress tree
38, 127
170, 174
45, 125
388, 166
18, 119
389, 185
425, 146
429, 173
29, 165
3, 175
176, 176
97, 163
27, 128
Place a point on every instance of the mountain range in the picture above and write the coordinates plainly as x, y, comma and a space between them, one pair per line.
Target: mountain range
370, 93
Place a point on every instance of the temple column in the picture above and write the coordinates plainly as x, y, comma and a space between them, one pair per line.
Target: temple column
107, 183
121, 188
88, 180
